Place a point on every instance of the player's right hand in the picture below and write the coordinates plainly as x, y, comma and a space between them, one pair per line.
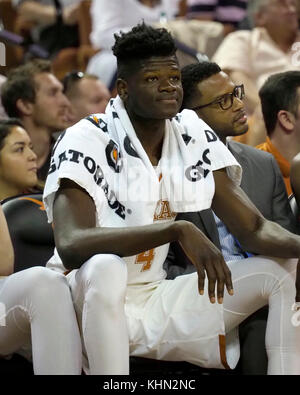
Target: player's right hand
208, 259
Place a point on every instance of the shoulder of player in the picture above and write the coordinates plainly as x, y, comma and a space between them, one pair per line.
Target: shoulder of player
195, 127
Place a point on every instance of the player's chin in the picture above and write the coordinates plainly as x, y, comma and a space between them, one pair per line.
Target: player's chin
168, 108
169, 113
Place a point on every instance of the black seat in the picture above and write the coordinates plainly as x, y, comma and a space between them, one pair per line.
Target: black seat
295, 210
31, 234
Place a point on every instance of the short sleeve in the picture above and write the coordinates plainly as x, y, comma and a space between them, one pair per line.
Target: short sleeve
77, 156
216, 153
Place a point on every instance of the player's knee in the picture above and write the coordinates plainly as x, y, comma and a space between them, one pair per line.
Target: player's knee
107, 278
47, 283
279, 274
108, 266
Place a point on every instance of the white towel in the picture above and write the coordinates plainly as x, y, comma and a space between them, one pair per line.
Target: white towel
104, 156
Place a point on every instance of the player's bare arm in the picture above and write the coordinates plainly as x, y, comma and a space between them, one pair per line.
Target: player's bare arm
254, 232
243, 219
77, 239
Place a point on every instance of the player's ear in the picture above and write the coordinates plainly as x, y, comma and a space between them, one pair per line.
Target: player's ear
122, 88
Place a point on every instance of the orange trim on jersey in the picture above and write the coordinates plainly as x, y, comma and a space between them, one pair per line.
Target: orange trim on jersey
38, 202
160, 177
115, 154
222, 348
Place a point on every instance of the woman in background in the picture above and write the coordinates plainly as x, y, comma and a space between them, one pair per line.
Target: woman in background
18, 165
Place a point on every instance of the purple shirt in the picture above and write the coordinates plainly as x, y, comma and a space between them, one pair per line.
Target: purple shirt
230, 11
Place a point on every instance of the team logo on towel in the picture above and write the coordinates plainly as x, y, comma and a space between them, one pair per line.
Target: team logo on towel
197, 172
113, 156
186, 138
129, 148
97, 122
210, 136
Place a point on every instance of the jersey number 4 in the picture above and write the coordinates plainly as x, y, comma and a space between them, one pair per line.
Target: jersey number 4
145, 258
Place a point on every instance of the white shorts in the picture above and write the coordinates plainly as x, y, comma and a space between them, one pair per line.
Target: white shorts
173, 322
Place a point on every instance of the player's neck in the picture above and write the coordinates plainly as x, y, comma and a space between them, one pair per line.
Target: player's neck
151, 135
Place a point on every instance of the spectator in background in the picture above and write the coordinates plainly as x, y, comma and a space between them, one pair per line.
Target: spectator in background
18, 167
250, 56
3, 114
109, 17
35, 96
86, 93
280, 98
230, 13
54, 22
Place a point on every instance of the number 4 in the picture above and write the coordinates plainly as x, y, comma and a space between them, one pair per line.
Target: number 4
146, 259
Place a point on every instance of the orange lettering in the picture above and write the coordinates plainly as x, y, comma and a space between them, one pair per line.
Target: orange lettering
146, 259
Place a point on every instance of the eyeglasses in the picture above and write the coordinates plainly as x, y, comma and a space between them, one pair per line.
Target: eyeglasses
226, 101
70, 78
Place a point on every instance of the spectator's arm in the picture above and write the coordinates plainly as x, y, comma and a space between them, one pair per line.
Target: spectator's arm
32, 11
6, 248
107, 18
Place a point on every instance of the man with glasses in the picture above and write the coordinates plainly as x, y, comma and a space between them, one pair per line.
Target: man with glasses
214, 97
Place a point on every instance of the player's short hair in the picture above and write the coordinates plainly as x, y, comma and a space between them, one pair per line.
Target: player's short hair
192, 75
140, 43
20, 84
279, 92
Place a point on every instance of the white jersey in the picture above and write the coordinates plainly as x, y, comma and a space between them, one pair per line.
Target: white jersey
103, 155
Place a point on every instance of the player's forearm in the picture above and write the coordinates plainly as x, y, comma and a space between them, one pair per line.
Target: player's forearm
80, 245
271, 239
37, 13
